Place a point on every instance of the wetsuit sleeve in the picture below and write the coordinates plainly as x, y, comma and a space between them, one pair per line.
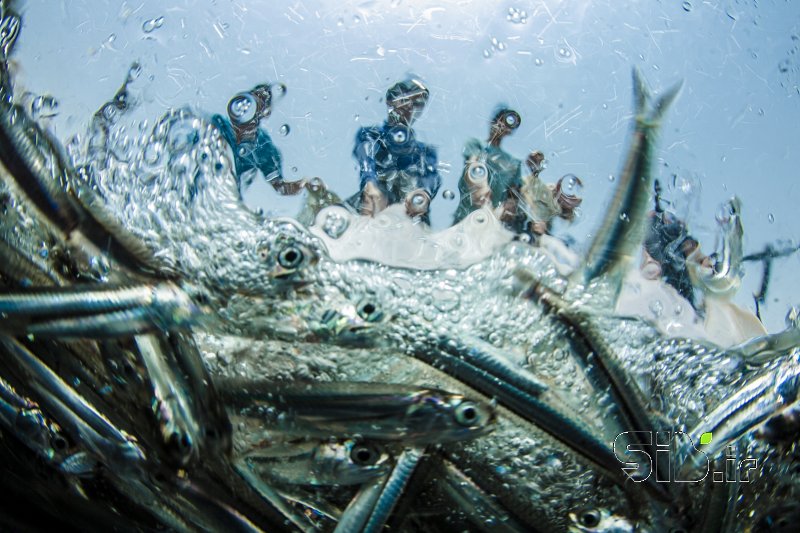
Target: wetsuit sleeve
365, 150
430, 180
268, 157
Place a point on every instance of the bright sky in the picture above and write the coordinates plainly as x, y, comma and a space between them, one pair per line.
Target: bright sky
565, 66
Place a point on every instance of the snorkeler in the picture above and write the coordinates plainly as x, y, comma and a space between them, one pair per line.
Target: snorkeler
491, 176
542, 202
394, 167
667, 247
253, 150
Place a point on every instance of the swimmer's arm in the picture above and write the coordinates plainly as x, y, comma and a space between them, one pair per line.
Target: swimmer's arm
430, 181
364, 152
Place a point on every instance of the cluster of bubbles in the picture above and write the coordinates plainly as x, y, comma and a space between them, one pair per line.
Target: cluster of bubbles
517, 16
496, 46
151, 25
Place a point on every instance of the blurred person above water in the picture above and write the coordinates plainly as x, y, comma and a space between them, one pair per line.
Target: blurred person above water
253, 149
542, 202
393, 166
492, 176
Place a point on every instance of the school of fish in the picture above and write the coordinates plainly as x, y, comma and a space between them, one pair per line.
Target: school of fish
170, 359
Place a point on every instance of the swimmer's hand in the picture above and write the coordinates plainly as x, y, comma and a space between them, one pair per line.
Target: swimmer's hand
373, 201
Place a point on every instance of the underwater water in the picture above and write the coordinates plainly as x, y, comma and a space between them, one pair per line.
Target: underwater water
301, 366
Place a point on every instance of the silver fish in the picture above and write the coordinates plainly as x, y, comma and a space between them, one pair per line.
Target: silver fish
725, 279
621, 233
348, 462
600, 521
370, 410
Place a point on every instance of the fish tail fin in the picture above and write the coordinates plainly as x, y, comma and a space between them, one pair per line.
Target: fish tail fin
664, 102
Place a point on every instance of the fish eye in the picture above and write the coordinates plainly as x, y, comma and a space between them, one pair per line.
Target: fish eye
364, 454
589, 518
368, 311
180, 444
290, 257
59, 443
470, 414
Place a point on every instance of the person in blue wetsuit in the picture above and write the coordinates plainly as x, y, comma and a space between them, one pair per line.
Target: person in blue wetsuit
253, 150
492, 176
394, 167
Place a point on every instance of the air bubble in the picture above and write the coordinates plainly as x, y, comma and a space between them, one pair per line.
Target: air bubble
279, 89
284, 130
687, 6
657, 308
334, 225
152, 24
242, 108
517, 16
447, 194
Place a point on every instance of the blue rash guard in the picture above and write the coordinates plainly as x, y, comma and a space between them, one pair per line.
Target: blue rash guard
390, 157
248, 155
